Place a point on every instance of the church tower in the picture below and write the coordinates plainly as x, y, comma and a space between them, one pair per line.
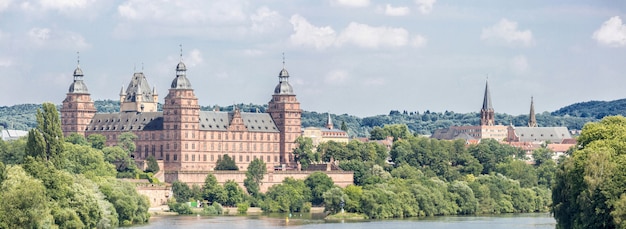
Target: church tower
286, 113
78, 108
180, 122
138, 97
532, 120
329, 122
487, 115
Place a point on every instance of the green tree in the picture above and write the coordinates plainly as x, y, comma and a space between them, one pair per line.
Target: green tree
36, 146
318, 183
334, 200
254, 176
153, 166
344, 127
76, 139
542, 155
303, 153
213, 191
13, 152
589, 184
98, 141
126, 140
182, 192
226, 163
290, 196
49, 126
234, 193
23, 201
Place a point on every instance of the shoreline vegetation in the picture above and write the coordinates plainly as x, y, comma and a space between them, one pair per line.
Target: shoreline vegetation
48, 180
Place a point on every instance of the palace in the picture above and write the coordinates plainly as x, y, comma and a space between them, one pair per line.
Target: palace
182, 136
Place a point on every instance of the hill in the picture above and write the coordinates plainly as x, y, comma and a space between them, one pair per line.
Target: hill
22, 116
595, 109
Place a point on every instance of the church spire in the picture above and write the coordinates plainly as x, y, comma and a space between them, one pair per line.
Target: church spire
78, 86
532, 120
329, 122
487, 116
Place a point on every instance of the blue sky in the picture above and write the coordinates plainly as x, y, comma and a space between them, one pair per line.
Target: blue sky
361, 57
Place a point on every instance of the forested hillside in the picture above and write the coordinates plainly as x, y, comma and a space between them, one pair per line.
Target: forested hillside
22, 117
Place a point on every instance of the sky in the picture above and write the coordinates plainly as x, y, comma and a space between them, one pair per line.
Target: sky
360, 57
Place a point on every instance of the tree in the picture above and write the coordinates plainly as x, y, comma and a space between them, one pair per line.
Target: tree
334, 200
344, 127
153, 166
213, 191
76, 139
49, 126
304, 152
98, 141
126, 140
254, 176
318, 183
23, 201
226, 163
542, 155
589, 185
182, 192
234, 193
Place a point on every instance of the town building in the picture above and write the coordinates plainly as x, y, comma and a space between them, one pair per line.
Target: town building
486, 130
324, 134
185, 138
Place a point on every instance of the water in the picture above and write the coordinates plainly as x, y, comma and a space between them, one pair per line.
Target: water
308, 221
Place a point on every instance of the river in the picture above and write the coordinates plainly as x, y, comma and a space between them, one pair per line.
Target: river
308, 221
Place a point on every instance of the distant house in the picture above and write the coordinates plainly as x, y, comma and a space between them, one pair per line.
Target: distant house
7, 135
324, 134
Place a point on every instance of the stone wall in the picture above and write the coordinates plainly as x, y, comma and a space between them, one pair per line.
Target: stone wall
157, 194
341, 178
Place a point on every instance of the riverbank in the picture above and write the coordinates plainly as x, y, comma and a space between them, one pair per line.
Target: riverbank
165, 210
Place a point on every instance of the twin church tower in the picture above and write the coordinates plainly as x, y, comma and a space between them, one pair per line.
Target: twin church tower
185, 138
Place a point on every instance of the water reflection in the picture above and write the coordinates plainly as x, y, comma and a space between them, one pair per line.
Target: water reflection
313, 221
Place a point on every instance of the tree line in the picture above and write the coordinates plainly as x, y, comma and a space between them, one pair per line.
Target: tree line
22, 117
49, 181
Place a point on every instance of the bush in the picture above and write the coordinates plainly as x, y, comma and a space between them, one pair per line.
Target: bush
180, 208
214, 209
242, 208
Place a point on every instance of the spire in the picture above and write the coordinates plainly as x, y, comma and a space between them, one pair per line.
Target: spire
532, 120
487, 99
329, 122
181, 81
487, 114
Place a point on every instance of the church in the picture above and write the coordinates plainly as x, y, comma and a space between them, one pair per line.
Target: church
182, 136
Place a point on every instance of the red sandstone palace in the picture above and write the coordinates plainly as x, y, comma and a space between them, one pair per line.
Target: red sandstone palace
185, 138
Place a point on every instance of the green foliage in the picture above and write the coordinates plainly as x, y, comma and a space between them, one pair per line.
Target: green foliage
182, 192
397, 131
153, 166
520, 171
254, 175
76, 139
318, 183
180, 208
289, 196
49, 127
334, 200
303, 153
490, 153
97, 141
131, 207
234, 193
213, 191
242, 208
213, 209
23, 201
589, 185
13, 152
226, 163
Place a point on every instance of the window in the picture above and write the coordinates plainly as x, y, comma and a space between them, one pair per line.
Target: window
204, 157
186, 157
248, 158
268, 158
193, 157
175, 157
167, 157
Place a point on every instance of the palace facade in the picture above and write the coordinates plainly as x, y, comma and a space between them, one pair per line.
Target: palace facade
185, 138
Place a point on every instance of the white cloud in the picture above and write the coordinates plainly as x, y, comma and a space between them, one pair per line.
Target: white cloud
396, 11
265, 20
351, 3
5, 62
361, 35
418, 41
307, 34
182, 13
372, 37
336, 77
48, 38
64, 5
611, 33
425, 6
374, 82
252, 52
4, 4
519, 64
507, 32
